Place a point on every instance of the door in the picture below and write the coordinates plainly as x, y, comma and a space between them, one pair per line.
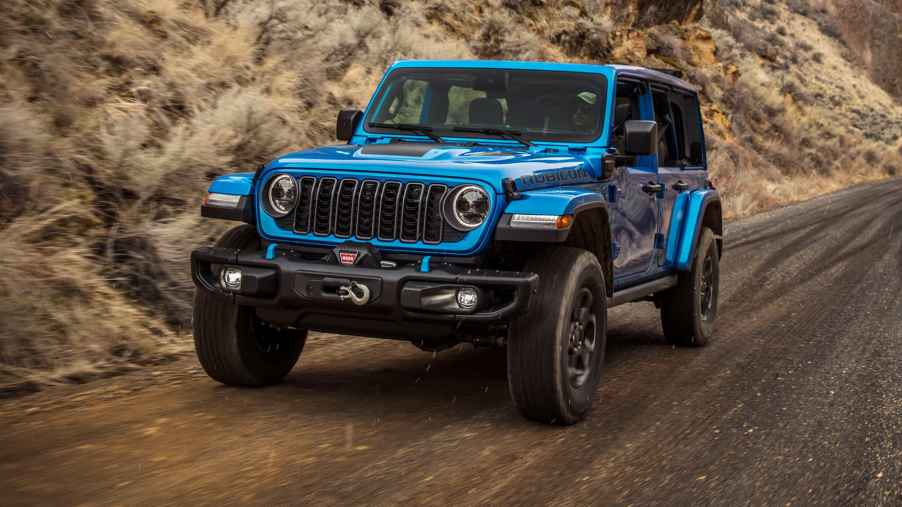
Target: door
634, 210
681, 154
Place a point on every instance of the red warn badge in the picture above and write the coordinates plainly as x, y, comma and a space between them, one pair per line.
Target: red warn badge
348, 258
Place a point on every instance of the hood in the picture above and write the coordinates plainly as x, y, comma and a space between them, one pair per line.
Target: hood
532, 168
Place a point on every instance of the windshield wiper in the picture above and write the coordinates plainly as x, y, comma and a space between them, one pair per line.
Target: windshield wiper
513, 135
423, 130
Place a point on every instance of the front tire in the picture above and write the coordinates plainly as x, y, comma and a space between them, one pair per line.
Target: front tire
689, 310
233, 345
555, 352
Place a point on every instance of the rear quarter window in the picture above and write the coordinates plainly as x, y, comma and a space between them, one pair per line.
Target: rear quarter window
695, 142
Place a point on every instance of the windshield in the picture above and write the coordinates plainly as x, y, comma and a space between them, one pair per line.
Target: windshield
537, 105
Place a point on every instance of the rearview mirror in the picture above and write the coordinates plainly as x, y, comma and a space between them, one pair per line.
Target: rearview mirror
641, 137
347, 124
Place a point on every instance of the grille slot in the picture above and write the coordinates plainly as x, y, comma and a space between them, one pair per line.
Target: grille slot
322, 208
366, 209
304, 211
433, 223
344, 209
389, 200
411, 204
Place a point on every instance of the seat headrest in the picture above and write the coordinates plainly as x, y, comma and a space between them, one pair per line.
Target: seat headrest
486, 111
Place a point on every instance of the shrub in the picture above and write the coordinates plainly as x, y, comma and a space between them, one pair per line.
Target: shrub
799, 7
767, 13
585, 40
871, 157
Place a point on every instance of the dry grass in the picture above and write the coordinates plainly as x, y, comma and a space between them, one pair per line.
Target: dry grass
117, 113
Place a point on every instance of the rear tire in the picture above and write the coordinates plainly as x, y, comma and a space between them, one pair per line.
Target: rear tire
233, 345
689, 310
555, 351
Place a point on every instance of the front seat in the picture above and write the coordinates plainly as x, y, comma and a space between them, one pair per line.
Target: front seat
486, 111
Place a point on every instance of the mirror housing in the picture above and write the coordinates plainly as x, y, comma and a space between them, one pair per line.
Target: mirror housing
641, 137
347, 124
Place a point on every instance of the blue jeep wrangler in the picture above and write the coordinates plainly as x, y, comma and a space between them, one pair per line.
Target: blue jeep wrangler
506, 204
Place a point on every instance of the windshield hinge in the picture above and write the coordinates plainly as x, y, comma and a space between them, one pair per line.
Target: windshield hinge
510, 189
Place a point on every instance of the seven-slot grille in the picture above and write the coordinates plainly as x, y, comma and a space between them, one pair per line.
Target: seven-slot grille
368, 209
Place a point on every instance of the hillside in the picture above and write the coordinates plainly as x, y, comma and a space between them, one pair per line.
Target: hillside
116, 114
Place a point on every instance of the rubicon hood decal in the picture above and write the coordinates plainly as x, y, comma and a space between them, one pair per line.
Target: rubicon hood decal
555, 176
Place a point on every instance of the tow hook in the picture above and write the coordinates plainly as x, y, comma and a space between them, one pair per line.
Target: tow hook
358, 293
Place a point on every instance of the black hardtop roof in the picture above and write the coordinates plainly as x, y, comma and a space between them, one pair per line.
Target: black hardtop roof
654, 75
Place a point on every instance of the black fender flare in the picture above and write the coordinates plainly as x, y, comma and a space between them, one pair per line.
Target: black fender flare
589, 229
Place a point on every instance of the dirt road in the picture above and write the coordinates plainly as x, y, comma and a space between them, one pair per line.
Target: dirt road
797, 400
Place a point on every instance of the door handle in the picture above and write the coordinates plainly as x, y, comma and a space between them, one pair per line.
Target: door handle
652, 188
681, 186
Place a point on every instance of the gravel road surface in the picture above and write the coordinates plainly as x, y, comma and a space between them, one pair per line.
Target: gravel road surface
797, 400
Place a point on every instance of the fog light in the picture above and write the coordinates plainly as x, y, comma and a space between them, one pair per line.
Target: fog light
467, 298
230, 279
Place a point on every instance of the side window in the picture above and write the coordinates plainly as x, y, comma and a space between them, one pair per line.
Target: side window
626, 108
668, 150
679, 129
695, 141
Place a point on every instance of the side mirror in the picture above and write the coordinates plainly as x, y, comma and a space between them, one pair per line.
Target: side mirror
347, 124
641, 137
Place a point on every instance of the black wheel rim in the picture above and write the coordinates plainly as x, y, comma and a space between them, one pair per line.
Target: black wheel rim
267, 338
707, 288
583, 338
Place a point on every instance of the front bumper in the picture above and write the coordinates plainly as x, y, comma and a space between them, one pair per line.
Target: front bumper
291, 290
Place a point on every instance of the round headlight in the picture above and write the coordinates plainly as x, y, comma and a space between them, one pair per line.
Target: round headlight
281, 195
467, 207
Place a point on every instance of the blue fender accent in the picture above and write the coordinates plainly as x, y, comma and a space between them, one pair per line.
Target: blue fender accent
685, 226
677, 219
233, 184
555, 201
271, 251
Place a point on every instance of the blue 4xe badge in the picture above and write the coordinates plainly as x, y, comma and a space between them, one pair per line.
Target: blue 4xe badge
555, 176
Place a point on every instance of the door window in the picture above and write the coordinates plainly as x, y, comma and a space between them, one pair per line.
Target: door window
669, 152
626, 108
695, 142
681, 142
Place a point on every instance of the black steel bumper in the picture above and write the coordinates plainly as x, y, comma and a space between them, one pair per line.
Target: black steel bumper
308, 294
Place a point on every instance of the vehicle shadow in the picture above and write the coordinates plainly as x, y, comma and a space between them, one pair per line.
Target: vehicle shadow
359, 377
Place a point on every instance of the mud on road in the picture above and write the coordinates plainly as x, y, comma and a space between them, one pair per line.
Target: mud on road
798, 399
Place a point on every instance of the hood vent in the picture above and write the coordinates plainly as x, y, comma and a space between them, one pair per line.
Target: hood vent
398, 149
